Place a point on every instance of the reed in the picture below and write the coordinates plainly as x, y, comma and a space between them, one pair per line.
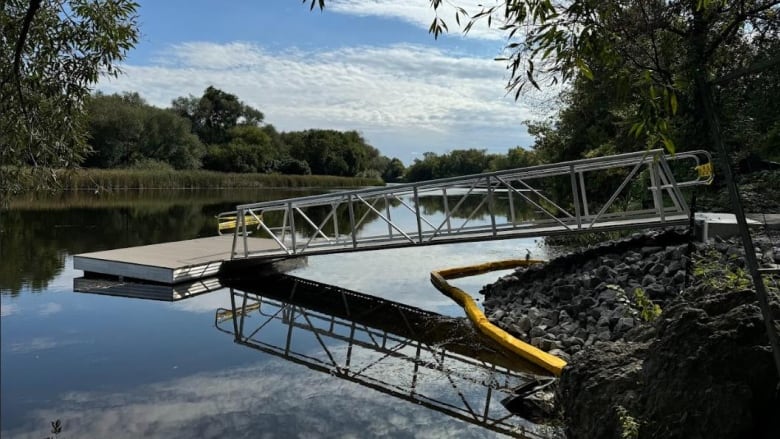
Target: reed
112, 179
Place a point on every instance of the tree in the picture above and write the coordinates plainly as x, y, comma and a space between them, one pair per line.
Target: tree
331, 152
115, 124
394, 171
124, 130
215, 113
52, 53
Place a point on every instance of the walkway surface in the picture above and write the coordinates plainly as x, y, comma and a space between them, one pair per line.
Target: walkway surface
169, 262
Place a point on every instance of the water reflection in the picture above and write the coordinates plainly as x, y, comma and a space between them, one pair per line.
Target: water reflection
418, 356
39, 230
148, 291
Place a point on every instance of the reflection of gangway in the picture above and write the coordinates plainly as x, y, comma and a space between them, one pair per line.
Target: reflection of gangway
411, 354
333, 223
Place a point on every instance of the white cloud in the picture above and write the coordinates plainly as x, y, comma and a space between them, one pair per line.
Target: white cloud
403, 98
7, 309
420, 13
41, 344
49, 308
271, 399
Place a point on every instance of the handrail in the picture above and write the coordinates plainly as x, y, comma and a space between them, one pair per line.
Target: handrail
336, 232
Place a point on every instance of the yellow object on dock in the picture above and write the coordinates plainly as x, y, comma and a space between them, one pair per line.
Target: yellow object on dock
229, 222
537, 356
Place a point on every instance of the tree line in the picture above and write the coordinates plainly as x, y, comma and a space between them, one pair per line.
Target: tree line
219, 132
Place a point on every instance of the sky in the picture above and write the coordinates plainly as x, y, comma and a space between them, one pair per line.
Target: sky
365, 65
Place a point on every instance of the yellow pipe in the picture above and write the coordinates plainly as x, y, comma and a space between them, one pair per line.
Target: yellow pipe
439, 278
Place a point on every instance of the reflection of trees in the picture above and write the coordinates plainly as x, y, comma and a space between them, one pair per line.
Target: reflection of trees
35, 240
435, 204
27, 257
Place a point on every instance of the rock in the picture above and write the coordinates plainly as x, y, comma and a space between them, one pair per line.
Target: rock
537, 331
656, 269
708, 357
524, 323
624, 324
655, 291
679, 278
587, 302
586, 281
674, 267
607, 296
648, 279
564, 292
646, 251
497, 315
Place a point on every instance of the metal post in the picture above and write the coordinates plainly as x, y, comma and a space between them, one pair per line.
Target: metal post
575, 198
657, 201
291, 215
284, 225
352, 220
243, 230
389, 219
417, 212
491, 207
336, 221
584, 196
446, 209
235, 241
511, 204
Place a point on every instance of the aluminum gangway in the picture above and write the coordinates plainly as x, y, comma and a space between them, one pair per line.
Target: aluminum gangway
497, 205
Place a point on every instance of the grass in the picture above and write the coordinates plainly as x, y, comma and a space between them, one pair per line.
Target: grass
111, 179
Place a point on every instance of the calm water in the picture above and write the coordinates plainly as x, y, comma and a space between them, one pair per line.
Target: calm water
123, 367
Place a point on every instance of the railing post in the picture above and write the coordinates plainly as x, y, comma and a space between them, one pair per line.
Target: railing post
336, 221
235, 240
243, 231
352, 221
291, 215
584, 196
417, 212
446, 209
491, 207
575, 197
657, 195
389, 219
511, 204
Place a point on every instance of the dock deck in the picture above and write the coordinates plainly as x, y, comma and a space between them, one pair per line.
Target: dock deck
168, 263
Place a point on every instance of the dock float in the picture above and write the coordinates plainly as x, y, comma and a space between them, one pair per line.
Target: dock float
170, 262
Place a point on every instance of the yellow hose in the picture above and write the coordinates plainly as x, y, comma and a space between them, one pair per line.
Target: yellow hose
439, 278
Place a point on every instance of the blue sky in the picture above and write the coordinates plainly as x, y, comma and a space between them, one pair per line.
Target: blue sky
367, 65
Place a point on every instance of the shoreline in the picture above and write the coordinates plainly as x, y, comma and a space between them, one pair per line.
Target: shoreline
646, 358
141, 179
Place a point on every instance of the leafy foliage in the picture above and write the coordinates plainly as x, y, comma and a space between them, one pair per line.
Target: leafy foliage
124, 130
648, 311
53, 52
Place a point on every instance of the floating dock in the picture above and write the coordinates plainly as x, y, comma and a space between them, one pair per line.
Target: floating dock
167, 263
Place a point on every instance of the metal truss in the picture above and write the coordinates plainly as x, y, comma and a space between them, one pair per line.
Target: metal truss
472, 208
469, 388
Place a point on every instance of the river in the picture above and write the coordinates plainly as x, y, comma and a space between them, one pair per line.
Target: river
109, 366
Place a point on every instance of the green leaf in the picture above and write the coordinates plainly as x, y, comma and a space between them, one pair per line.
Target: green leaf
673, 102
668, 144
584, 69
